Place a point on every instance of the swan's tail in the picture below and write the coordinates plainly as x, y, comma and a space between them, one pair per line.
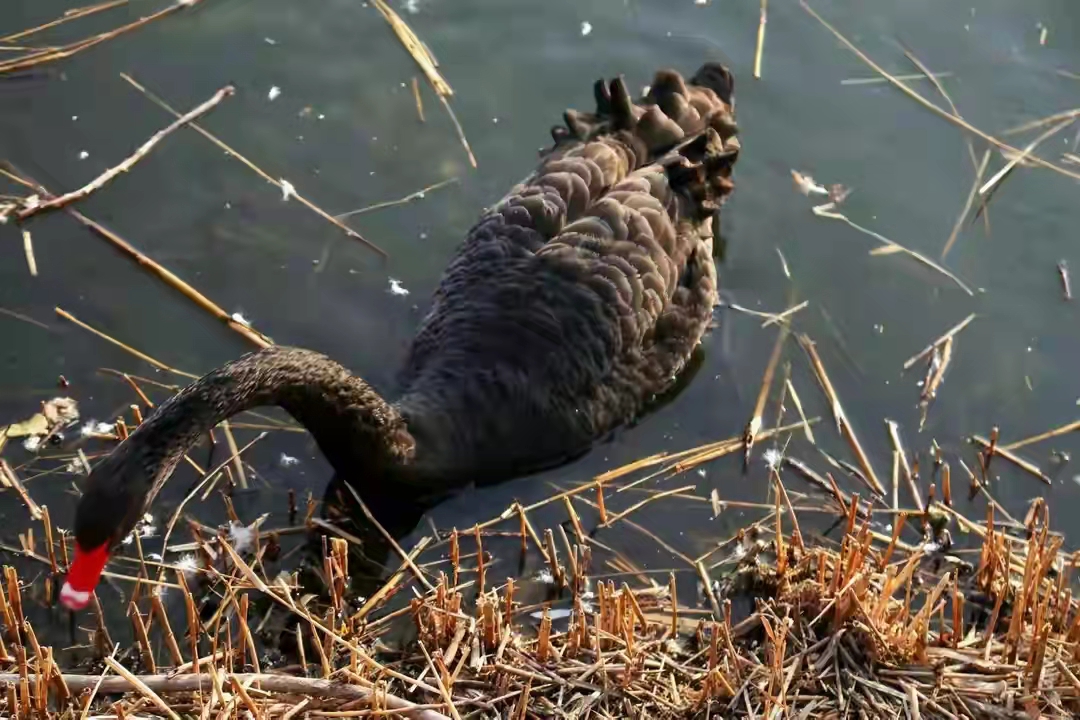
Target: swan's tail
687, 126
671, 110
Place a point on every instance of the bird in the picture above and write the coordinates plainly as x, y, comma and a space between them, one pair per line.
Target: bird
574, 301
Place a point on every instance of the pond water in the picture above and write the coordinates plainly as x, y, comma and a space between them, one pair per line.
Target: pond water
344, 131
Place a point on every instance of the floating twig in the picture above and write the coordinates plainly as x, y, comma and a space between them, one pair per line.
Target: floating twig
428, 66
979, 172
243, 328
1056, 432
880, 80
460, 131
753, 427
993, 448
1063, 273
100, 181
890, 246
24, 318
802, 415
66, 17
782, 317
418, 195
34, 59
939, 363
960, 122
950, 333
291, 193
419, 100
127, 348
28, 250
988, 188
416, 48
8, 478
763, 18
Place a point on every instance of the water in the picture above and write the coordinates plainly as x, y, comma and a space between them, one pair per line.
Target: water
514, 68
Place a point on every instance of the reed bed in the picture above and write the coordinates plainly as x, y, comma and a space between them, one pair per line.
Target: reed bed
783, 620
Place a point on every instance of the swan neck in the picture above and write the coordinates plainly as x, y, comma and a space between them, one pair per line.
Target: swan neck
347, 417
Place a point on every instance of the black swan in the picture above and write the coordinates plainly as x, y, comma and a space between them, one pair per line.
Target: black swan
572, 302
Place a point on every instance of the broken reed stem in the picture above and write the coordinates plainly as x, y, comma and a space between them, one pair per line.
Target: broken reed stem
960, 122
234, 452
255, 168
930, 348
388, 588
127, 348
933, 78
428, 66
995, 449
419, 100
418, 195
140, 686
203, 682
66, 17
757, 419
988, 188
460, 131
802, 415
1056, 432
890, 247
390, 539
480, 565
763, 18
980, 170
839, 415
52, 54
100, 181
796, 533
11, 480
612, 519
416, 48
249, 333
46, 521
28, 250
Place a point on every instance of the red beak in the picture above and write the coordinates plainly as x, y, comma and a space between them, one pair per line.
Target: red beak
83, 576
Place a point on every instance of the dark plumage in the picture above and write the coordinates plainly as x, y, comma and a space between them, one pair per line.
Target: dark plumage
573, 301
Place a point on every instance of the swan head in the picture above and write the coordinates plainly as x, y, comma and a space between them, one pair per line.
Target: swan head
115, 495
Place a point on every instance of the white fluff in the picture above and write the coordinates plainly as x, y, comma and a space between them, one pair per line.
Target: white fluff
188, 564
241, 536
287, 189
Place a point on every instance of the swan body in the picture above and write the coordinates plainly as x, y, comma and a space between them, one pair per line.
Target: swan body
574, 300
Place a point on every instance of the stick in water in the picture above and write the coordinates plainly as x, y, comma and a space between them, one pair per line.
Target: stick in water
101, 180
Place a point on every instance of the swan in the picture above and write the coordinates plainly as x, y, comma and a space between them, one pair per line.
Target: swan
573, 301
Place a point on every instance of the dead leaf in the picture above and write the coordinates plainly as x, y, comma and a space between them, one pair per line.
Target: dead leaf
36, 425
